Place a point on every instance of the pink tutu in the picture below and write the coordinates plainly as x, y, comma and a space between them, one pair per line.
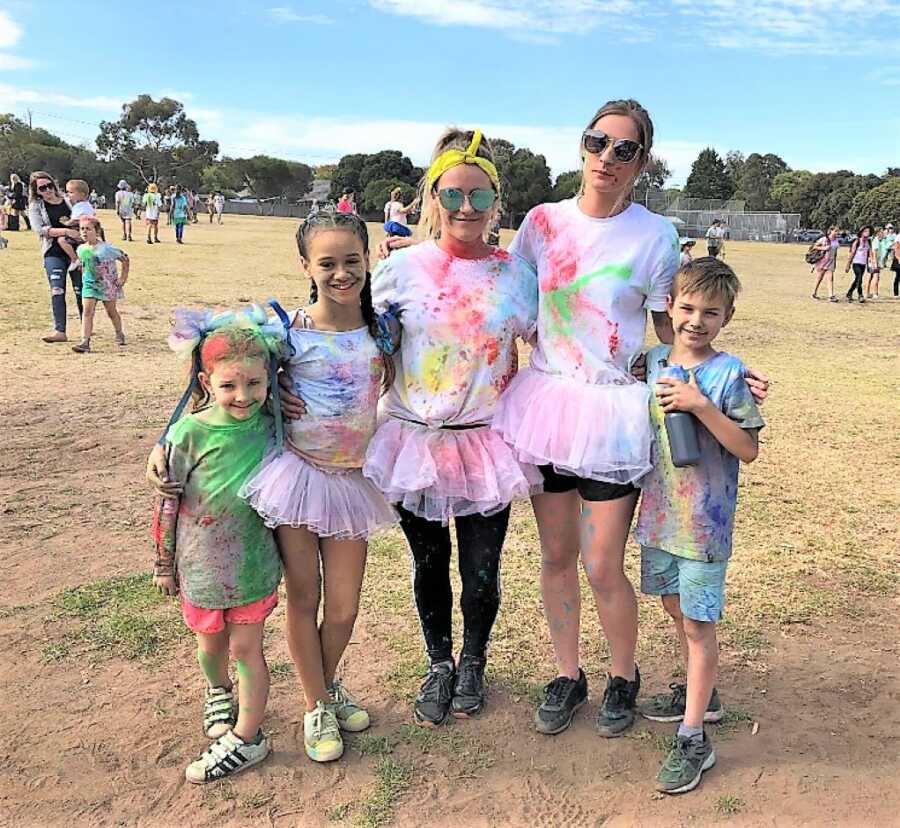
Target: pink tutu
442, 473
600, 432
289, 491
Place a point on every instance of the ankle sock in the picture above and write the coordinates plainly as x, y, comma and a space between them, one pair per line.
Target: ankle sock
695, 734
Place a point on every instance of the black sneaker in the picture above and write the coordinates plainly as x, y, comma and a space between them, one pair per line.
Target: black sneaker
433, 701
616, 712
468, 692
562, 697
669, 707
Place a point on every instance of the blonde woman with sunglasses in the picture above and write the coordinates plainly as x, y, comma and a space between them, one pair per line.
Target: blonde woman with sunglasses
463, 305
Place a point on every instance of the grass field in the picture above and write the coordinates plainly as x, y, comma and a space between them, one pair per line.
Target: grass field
100, 683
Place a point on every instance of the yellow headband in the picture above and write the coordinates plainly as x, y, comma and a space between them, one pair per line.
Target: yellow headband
454, 157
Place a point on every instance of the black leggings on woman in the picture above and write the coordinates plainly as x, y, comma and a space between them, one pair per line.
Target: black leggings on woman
859, 270
480, 540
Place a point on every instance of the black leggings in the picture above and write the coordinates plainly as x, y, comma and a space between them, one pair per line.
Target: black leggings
859, 270
480, 540
896, 268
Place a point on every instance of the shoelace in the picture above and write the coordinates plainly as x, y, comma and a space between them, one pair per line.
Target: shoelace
324, 724
340, 697
679, 694
436, 687
556, 691
682, 748
470, 677
616, 695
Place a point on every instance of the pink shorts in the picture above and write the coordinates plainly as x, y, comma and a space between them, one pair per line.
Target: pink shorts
209, 621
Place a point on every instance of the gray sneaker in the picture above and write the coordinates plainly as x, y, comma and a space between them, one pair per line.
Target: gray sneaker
562, 698
685, 764
669, 707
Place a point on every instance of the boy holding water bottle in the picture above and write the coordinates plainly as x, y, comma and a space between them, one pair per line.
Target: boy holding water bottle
686, 515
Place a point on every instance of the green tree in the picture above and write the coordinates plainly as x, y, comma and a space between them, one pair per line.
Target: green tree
708, 178
221, 176
346, 175
566, 186
757, 177
387, 164
268, 177
325, 172
378, 192
835, 207
734, 166
529, 183
788, 189
877, 206
652, 179
157, 141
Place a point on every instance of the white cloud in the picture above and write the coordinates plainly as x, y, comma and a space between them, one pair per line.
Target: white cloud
9, 63
885, 76
12, 96
285, 14
10, 31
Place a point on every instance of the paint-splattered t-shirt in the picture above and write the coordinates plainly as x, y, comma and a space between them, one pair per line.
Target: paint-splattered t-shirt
100, 278
598, 277
689, 512
224, 554
338, 375
460, 320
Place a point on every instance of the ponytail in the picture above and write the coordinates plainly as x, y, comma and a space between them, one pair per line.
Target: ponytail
377, 330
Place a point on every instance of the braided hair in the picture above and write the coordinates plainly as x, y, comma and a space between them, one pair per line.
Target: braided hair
328, 220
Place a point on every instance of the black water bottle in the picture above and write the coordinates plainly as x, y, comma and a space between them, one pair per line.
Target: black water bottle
680, 425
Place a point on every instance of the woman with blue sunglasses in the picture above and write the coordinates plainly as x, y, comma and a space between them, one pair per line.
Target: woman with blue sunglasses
463, 304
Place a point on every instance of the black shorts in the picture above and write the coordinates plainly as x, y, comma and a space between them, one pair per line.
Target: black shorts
593, 490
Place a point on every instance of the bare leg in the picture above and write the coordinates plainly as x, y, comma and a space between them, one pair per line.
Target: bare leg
703, 665
246, 647
67, 248
604, 530
557, 519
672, 604
212, 655
113, 313
343, 568
300, 553
87, 320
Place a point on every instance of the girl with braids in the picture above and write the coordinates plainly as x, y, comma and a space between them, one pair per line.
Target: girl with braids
210, 546
314, 494
463, 304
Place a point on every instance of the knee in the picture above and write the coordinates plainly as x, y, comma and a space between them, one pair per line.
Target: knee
303, 599
699, 632
603, 576
672, 605
558, 558
344, 617
246, 651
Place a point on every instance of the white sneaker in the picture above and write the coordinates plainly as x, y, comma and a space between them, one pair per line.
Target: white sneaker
219, 712
228, 755
350, 716
321, 735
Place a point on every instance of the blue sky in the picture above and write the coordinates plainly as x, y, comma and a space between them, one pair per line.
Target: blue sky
815, 81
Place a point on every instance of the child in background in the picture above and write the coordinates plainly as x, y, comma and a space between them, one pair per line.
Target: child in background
179, 213
210, 546
77, 193
314, 494
100, 281
687, 247
152, 202
686, 514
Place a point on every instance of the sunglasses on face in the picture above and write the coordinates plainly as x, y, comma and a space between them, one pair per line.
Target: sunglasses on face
42, 188
624, 149
452, 199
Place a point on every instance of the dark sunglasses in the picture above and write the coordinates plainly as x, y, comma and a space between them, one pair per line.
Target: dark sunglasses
595, 142
452, 199
44, 187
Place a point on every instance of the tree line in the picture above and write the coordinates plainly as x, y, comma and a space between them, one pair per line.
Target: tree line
765, 182
155, 140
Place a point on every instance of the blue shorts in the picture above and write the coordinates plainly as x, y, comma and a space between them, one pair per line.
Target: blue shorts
394, 228
700, 585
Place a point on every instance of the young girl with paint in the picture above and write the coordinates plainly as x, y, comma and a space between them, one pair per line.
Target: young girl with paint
211, 547
463, 304
314, 494
578, 412
100, 281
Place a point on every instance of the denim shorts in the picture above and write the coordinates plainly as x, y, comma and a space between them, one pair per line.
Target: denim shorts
700, 585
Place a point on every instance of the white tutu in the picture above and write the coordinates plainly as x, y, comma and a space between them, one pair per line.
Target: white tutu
442, 473
600, 432
289, 491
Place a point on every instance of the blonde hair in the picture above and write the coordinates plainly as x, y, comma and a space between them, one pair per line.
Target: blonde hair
396, 193
430, 218
710, 277
81, 186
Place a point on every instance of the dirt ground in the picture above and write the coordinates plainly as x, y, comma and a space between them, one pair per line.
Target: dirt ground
102, 696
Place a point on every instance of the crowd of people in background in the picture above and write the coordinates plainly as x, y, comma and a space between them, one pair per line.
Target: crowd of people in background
872, 250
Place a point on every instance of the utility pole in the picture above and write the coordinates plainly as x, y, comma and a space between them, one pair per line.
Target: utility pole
29, 118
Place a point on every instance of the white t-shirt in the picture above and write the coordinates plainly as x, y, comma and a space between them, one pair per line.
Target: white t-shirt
82, 209
393, 211
460, 320
716, 233
598, 278
219, 203
152, 203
